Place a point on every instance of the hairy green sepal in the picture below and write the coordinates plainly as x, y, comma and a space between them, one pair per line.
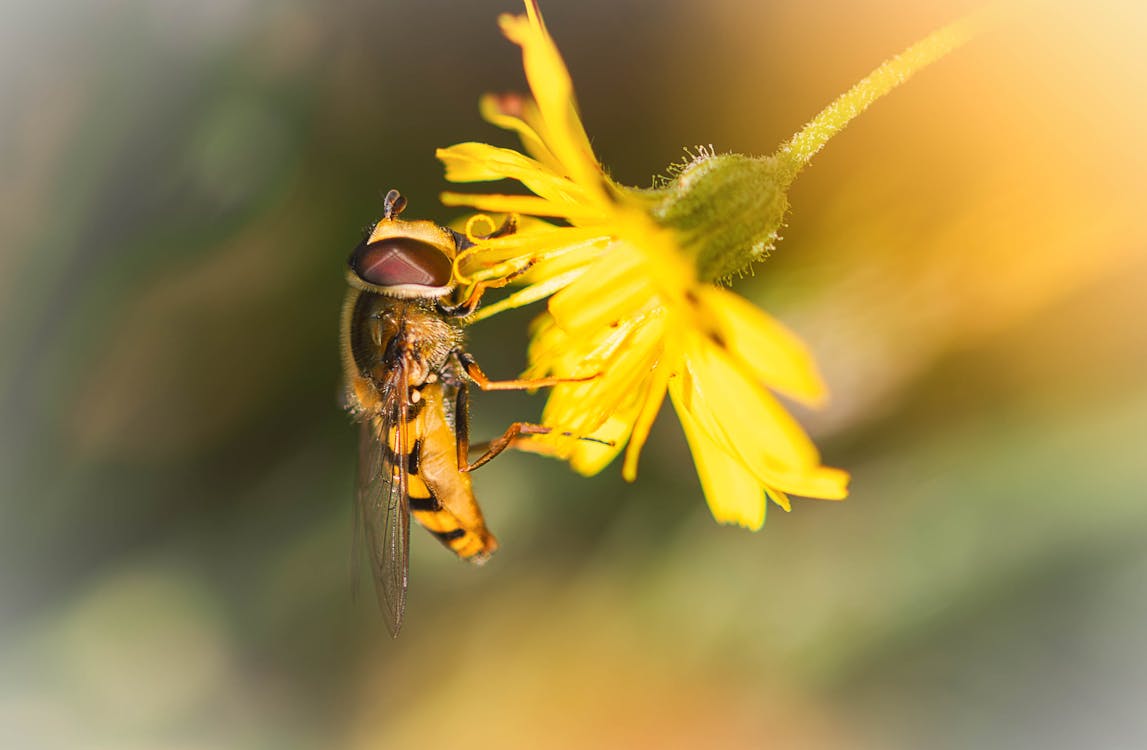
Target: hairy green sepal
726, 210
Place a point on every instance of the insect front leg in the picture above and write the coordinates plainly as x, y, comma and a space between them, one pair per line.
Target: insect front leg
470, 304
474, 372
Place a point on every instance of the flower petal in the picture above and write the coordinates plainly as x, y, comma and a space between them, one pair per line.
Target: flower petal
519, 204
650, 405
526, 295
588, 458
534, 242
620, 358
615, 289
779, 498
481, 162
733, 493
553, 90
520, 114
663, 263
767, 350
739, 414
472, 161
532, 255
820, 482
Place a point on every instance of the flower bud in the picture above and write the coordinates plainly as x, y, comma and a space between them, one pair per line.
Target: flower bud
726, 210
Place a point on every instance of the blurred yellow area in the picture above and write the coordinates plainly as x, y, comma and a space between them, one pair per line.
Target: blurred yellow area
181, 187
1003, 180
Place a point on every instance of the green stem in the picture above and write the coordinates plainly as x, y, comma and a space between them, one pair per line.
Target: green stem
798, 151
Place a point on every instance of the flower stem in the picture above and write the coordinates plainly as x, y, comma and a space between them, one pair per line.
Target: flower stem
798, 151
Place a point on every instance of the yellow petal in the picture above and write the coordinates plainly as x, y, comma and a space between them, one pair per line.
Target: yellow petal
820, 482
623, 399
520, 114
588, 458
768, 351
733, 493
536, 243
553, 90
569, 256
614, 289
532, 255
650, 406
622, 358
480, 162
813, 481
549, 349
519, 204
527, 295
661, 259
584, 407
779, 498
739, 414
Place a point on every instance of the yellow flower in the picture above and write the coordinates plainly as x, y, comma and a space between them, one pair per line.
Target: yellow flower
632, 279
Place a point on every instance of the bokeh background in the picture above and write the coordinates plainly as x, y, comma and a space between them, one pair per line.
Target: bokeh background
180, 186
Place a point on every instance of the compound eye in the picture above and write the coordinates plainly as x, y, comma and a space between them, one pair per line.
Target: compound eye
400, 261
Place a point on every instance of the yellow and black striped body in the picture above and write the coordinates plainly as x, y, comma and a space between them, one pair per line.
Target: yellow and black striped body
380, 335
406, 385
440, 497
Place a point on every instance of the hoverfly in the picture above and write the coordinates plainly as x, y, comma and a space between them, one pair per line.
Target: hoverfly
407, 376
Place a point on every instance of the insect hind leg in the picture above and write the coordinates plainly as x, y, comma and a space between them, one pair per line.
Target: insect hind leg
506, 440
514, 436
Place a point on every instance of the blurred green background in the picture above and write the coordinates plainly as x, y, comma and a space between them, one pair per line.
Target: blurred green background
180, 186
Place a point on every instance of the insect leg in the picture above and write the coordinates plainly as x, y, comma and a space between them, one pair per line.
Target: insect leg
474, 372
462, 424
470, 304
490, 448
499, 444
516, 430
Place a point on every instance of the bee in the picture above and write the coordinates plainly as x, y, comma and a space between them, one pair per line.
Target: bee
407, 376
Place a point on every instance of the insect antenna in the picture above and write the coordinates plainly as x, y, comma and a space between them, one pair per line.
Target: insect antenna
393, 204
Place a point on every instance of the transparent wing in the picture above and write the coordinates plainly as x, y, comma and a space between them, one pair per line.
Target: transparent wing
382, 511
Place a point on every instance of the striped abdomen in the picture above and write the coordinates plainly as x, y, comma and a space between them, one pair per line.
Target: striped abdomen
440, 496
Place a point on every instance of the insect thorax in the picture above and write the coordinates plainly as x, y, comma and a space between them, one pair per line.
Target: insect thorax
388, 333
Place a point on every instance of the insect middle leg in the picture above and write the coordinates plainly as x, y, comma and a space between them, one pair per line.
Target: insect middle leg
493, 447
515, 430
